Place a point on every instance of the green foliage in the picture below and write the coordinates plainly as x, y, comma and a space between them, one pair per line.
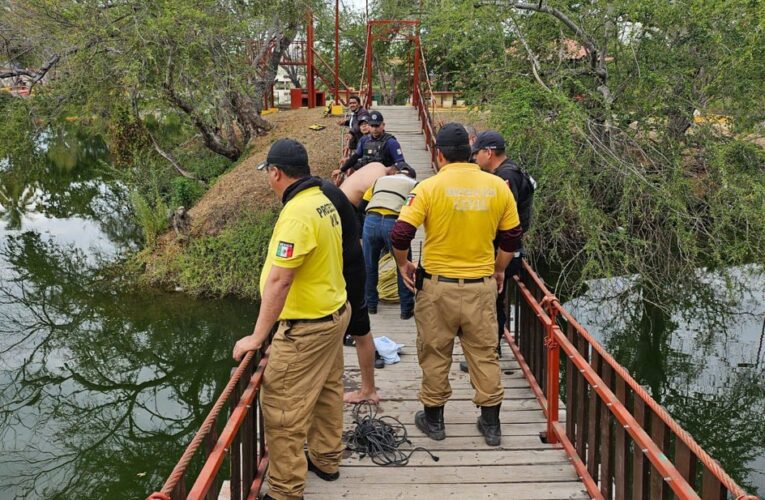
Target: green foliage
151, 216
228, 263
202, 162
185, 192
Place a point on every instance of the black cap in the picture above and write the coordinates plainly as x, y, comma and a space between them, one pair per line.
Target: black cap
490, 139
363, 117
452, 135
375, 118
286, 153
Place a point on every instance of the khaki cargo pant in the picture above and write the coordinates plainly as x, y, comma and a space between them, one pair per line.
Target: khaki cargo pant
444, 310
302, 399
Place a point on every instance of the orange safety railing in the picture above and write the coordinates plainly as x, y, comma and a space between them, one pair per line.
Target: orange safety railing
622, 443
242, 439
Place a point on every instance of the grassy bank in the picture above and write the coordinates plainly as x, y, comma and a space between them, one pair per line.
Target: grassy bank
228, 263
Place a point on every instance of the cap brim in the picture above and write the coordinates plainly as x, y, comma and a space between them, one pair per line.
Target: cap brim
263, 165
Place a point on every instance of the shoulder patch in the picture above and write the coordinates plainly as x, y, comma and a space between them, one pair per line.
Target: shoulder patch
410, 199
285, 249
398, 151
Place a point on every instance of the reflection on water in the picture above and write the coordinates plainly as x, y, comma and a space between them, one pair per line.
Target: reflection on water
699, 352
100, 384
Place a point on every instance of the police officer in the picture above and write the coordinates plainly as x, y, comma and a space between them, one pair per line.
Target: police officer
382, 203
464, 210
378, 146
489, 153
302, 288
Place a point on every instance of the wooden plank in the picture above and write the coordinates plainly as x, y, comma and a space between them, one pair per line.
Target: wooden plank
640, 464
581, 395
475, 458
620, 445
711, 488
471, 429
318, 489
369, 476
478, 443
593, 423
606, 458
659, 433
685, 461
455, 407
571, 399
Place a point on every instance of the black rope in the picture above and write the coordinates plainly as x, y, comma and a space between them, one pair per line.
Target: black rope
380, 438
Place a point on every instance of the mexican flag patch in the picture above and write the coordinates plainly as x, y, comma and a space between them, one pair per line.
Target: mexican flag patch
410, 199
284, 249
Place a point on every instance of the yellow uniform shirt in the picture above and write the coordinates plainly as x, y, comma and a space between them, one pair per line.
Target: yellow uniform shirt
462, 208
308, 237
382, 211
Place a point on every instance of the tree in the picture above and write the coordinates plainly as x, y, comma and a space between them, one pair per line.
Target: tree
211, 61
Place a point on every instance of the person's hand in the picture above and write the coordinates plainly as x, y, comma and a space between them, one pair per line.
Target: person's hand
407, 274
341, 122
500, 278
244, 345
337, 177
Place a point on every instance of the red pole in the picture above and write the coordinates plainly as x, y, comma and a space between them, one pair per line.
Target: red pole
416, 73
369, 64
337, 51
309, 63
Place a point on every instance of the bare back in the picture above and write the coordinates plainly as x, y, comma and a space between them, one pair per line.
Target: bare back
356, 185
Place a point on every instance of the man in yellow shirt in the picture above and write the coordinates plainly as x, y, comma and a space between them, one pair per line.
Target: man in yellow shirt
463, 210
302, 287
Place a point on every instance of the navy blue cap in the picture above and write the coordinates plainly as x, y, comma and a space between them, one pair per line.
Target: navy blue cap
490, 139
375, 118
286, 153
452, 135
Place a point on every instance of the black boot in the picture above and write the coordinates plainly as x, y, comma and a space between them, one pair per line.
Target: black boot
327, 476
431, 422
488, 424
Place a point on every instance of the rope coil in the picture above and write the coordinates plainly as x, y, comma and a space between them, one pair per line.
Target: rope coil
380, 438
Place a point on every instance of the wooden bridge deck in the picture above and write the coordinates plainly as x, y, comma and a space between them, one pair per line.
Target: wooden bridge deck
523, 467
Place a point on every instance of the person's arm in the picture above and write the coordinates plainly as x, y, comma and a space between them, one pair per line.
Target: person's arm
354, 158
275, 293
401, 240
394, 152
509, 241
350, 162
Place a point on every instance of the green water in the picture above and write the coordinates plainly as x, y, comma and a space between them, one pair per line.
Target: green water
101, 385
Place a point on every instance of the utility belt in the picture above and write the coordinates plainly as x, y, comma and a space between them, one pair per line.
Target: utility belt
328, 317
371, 213
421, 275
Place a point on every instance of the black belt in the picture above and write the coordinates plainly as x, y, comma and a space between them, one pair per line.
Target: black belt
384, 216
328, 317
446, 279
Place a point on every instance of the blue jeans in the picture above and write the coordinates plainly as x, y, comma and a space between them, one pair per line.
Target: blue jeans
375, 239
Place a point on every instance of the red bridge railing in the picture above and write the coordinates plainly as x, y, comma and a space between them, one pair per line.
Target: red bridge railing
242, 440
622, 443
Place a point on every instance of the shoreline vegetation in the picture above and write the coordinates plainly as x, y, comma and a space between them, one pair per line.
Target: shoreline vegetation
639, 120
